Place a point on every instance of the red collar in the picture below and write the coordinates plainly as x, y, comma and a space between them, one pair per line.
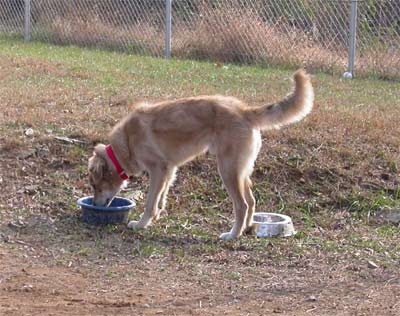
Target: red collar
120, 171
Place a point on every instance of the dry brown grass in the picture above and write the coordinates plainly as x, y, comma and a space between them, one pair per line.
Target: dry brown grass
223, 35
227, 35
350, 139
379, 61
89, 31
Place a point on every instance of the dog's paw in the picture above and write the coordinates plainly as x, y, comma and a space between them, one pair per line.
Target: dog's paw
135, 225
250, 230
226, 236
161, 213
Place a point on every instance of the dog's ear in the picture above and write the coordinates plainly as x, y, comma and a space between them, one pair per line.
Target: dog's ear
100, 150
98, 164
97, 168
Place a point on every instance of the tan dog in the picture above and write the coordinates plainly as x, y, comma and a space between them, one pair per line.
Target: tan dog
158, 138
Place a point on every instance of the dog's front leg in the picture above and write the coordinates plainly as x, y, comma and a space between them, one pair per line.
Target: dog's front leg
158, 177
163, 200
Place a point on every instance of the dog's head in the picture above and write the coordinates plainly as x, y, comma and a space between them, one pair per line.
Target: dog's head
103, 177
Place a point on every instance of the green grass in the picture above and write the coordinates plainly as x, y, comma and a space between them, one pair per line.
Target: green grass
113, 71
155, 77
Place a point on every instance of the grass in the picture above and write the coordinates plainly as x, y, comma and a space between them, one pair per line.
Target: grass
333, 173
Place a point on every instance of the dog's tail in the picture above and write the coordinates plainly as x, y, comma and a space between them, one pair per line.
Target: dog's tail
294, 107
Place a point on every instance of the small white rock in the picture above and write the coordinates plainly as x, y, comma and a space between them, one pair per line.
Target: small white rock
372, 265
348, 75
29, 132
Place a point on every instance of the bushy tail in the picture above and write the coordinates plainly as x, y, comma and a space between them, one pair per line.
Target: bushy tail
294, 107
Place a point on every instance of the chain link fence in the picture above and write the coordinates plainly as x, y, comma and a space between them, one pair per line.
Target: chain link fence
311, 33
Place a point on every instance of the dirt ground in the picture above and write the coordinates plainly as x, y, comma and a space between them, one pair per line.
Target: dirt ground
35, 284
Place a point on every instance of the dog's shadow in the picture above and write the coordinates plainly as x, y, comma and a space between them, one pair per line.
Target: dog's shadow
66, 237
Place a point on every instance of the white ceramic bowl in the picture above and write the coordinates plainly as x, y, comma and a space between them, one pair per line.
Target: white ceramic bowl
273, 225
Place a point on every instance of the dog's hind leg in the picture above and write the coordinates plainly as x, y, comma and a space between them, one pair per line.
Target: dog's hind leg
251, 202
254, 150
234, 184
158, 181
235, 164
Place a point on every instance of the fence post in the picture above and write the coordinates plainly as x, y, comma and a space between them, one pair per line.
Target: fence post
27, 30
352, 44
168, 28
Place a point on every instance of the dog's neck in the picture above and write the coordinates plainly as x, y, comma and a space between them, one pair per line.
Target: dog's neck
116, 163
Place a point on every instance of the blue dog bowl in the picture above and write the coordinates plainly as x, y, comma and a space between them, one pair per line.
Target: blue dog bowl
116, 213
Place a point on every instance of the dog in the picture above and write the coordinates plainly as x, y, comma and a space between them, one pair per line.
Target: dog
158, 138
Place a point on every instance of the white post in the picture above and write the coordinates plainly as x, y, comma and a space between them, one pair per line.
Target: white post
27, 30
168, 20
353, 30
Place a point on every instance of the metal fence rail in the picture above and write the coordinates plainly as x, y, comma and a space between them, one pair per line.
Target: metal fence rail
361, 36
